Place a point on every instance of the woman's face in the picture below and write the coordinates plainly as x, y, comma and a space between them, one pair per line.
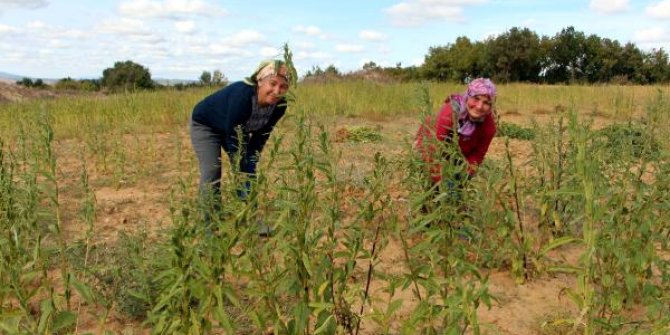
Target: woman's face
271, 89
479, 106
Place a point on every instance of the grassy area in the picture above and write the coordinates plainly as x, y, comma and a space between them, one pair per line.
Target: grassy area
99, 229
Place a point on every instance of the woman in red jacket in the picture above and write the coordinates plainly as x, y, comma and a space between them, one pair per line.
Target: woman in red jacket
466, 118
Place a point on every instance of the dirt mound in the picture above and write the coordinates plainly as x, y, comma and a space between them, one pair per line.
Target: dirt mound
10, 92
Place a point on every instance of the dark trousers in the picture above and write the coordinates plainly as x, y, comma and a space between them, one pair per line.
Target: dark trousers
208, 145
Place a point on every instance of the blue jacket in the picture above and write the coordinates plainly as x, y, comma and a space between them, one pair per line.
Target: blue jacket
229, 108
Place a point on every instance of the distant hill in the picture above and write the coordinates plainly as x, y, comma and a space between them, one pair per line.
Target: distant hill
13, 78
171, 82
10, 77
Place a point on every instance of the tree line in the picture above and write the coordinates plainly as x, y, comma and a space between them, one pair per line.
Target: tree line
521, 55
125, 76
570, 56
518, 55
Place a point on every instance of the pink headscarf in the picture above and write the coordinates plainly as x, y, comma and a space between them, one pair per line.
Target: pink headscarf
479, 86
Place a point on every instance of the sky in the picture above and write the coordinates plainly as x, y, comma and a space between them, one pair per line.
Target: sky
179, 39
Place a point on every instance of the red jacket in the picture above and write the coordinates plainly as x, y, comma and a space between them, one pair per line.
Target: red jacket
473, 147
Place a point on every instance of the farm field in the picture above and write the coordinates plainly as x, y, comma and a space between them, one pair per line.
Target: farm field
564, 229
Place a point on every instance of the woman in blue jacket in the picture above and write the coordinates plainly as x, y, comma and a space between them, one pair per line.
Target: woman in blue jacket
238, 119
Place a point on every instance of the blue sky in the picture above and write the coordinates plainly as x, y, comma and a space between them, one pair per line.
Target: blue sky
180, 39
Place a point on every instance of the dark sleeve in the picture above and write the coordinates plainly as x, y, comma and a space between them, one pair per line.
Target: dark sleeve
226, 108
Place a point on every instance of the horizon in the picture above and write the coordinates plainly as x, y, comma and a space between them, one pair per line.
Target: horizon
179, 39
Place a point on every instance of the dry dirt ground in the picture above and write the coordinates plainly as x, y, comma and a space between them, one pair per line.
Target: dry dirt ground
10, 92
143, 204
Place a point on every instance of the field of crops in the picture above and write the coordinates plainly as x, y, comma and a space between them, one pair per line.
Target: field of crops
564, 229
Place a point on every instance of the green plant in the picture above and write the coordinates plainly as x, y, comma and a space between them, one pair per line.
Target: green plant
514, 131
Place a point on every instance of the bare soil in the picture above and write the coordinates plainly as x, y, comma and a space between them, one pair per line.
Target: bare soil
11, 92
144, 205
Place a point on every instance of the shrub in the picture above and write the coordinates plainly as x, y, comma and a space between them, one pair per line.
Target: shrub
631, 138
512, 130
358, 134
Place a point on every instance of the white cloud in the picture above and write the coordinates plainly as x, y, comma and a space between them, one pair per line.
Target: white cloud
150, 39
29, 4
58, 44
349, 48
123, 26
170, 8
8, 29
651, 35
309, 30
45, 52
36, 25
185, 27
371, 35
318, 55
269, 52
40, 30
15, 56
416, 12
304, 45
70, 34
660, 10
244, 38
224, 50
609, 6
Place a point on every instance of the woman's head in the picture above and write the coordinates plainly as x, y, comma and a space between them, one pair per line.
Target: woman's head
271, 78
480, 96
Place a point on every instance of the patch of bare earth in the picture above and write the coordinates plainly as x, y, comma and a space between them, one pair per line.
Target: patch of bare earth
518, 309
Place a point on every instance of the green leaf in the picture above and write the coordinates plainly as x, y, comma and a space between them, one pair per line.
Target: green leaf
306, 263
557, 243
576, 298
325, 325
46, 309
232, 297
220, 314
394, 306
84, 290
10, 322
607, 280
564, 269
63, 320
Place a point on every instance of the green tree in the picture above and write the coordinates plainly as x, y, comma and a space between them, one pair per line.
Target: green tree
27, 82
632, 64
516, 55
655, 67
371, 66
565, 61
331, 70
436, 65
127, 76
218, 78
39, 83
456, 61
206, 78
